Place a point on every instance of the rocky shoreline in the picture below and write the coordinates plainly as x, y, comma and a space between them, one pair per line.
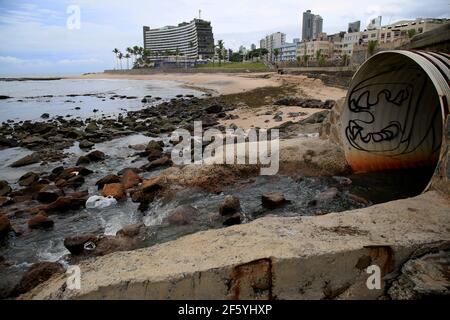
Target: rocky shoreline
152, 184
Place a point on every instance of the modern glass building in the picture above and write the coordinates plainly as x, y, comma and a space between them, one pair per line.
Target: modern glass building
194, 40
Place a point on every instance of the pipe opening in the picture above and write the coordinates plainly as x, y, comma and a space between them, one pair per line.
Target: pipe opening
393, 118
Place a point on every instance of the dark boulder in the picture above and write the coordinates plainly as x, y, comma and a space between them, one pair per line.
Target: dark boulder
28, 179
109, 179
183, 215
5, 226
5, 189
40, 221
273, 200
96, 156
27, 160
38, 273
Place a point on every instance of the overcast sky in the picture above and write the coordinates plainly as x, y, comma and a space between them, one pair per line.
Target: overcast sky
35, 39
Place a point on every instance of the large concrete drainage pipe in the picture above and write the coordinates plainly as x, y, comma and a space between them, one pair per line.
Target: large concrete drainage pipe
396, 111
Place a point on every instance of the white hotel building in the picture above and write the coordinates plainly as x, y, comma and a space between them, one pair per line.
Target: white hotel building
193, 40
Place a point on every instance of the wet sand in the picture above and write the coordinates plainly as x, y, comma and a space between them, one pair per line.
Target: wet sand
218, 83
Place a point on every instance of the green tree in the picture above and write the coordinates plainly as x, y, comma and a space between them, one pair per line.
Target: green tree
299, 60
276, 53
305, 59
120, 57
371, 47
318, 55
220, 50
116, 52
345, 59
412, 33
128, 56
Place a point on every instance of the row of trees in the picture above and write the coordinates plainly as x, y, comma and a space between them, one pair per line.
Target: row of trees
140, 55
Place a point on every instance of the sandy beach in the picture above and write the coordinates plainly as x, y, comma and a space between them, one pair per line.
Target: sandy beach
218, 83
225, 84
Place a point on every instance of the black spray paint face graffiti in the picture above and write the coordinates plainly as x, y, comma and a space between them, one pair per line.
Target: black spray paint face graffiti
386, 115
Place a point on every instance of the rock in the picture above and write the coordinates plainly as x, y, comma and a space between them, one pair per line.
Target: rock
75, 245
163, 162
183, 215
130, 179
138, 147
115, 190
109, 179
278, 118
49, 194
34, 142
108, 244
215, 108
357, 199
63, 204
96, 156
317, 117
4, 97
5, 226
28, 179
232, 220
152, 185
343, 181
155, 145
5, 189
91, 127
75, 182
40, 221
426, 277
273, 200
230, 206
153, 154
45, 116
85, 144
83, 160
25, 161
92, 245
325, 197
38, 273
5, 201
68, 173
132, 231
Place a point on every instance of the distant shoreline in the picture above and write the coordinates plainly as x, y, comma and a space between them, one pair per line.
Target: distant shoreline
32, 79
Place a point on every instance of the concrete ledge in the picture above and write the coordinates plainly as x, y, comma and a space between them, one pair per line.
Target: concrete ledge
272, 258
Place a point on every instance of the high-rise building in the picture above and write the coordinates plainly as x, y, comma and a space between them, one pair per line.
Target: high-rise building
272, 41
194, 39
317, 26
354, 27
253, 46
312, 25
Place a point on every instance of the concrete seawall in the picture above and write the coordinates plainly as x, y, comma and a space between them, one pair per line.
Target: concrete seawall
272, 258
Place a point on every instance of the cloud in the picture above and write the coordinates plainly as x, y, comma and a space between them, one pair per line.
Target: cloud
37, 31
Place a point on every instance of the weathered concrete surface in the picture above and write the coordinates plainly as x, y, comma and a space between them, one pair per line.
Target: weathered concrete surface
272, 258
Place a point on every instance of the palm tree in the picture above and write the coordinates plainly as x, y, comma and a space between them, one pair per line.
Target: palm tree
116, 52
220, 48
371, 47
130, 52
120, 57
318, 55
177, 53
305, 59
128, 56
345, 59
276, 53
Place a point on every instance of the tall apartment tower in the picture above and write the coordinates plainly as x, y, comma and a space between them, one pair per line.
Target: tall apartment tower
312, 25
317, 26
354, 27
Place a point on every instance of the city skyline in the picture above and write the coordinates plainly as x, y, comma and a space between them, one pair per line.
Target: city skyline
41, 41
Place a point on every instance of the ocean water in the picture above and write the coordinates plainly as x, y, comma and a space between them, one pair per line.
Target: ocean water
30, 99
